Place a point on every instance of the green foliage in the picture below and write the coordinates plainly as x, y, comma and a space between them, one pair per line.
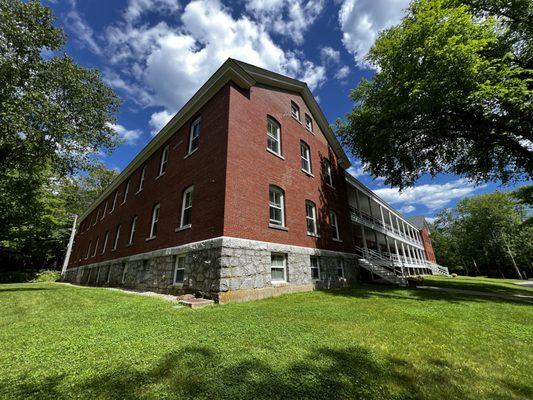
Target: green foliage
47, 276
370, 342
453, 93
482, 235
55, 115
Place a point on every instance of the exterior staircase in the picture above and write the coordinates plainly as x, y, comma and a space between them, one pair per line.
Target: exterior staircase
381, 266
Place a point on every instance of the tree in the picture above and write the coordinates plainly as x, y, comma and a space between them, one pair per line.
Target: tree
452, 93
486, 235
55, 115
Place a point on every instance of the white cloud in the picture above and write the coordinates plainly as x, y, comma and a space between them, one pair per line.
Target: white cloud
356, 170
343, 72
81, 29
433, 196
362, 20
136, 8
158, 120
290, 18
407, 209
129, 136
329, 54
431, 219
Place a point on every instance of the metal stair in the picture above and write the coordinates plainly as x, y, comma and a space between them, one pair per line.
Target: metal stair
383, 267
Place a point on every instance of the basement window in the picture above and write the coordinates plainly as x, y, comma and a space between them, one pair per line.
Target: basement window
278, 266
179, 269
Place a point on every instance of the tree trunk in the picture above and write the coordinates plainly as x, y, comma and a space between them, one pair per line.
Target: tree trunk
512, 259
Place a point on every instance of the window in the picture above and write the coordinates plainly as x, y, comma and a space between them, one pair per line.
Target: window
114, 202
126, 190
315, 269
124, 271
132, 230
327, 173
334, 225
340, 268
276, 204
194, 136
155, 219
295, 111
94, 219
278, 263
88, 250
179, 269
306, 157
308, 123
106, 237
105, 210
117, 235
273, 137
186, 207
108, 276
97, 215
164, 161
310, 212
96, 246
141, 179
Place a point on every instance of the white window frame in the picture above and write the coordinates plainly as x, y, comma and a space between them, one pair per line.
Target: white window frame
114, 202
340, 267
155, 220
133, 229
163, 161
141, 179
176, 269
305, 157
295, 111
106, 237
317, 267
272, 123
88, 250
280, 207
309, 123
126, 191
184, 207
108, 275
97, 275
96, 246
117, 236
277, 267
105, 210
192, 138
334, 223
328, 177
124, 271
311, 218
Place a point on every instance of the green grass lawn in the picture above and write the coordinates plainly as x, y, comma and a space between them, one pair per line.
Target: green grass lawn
499, 286
62, 342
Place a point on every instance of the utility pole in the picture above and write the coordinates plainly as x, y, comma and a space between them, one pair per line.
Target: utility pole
69, 247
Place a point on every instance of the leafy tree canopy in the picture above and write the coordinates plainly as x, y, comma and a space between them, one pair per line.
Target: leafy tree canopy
452, 93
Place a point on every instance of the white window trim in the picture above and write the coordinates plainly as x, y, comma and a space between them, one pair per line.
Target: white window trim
341, 267
308, 119
278, 139
190, 150
190, 190
163, 161
124, 271
295, 109
155, 219
278, 281
281, 208
133, 229
88, 250
313, 218
117, 236
108, 276
328, 173
95, 246
333, 217
305, 146
114, 202
317, 266
105, 242
141, 179
126, 191
176, 263
105, 210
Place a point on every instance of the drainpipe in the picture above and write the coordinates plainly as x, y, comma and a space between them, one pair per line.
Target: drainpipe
69, 247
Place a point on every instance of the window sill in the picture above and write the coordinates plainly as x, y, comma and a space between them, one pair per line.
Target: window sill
113, 249
124, 202
150, 238
182, 228
276, 154
190, 153
310, 131
279, 283
138, 191
337, 240
129, 245
279, 227
307, 173
296, 119
160, 175
331, 186
313, 235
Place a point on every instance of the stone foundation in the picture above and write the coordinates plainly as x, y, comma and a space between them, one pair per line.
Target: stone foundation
224, 269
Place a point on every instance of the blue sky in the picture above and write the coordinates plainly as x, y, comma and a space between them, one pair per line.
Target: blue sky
156, 53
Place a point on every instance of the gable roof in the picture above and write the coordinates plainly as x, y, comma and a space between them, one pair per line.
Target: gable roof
419, 221
245, 76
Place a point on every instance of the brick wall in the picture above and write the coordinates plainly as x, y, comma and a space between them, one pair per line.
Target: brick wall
428, 247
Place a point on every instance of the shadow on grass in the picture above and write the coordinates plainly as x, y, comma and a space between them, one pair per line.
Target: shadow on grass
479, 286
200, 372
24, 289
372, 291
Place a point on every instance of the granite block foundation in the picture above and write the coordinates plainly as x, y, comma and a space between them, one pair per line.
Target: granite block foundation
223, 269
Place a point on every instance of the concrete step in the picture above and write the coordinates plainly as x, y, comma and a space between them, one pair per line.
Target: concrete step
196, 302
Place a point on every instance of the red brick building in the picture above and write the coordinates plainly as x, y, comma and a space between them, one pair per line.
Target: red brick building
243, 194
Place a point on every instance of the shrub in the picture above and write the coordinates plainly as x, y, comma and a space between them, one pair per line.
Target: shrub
454, 275
46, 275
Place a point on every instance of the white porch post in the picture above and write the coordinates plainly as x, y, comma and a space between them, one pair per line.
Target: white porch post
69, 246
364, 238
382, 216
